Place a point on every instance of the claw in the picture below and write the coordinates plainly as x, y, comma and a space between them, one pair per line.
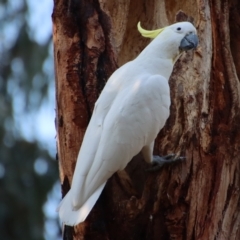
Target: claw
158, 161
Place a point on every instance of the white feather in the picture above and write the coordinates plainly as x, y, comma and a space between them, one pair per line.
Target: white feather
131, 110
72, 217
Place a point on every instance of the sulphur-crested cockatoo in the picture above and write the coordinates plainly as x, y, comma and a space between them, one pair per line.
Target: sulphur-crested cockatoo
131, 110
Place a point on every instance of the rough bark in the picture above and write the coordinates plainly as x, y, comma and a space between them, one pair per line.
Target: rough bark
194, 199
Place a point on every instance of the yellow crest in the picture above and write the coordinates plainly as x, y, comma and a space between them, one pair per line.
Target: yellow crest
149, 34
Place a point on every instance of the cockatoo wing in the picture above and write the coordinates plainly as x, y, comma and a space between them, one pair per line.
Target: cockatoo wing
133, 121
86, 158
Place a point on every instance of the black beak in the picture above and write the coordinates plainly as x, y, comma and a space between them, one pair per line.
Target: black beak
190, 41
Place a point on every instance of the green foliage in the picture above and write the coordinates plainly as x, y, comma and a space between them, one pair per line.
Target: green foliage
27, 170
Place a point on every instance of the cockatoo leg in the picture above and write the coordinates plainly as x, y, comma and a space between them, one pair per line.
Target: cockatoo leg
159, 161
147, 152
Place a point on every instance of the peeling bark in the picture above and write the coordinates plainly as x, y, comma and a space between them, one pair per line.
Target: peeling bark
194, 199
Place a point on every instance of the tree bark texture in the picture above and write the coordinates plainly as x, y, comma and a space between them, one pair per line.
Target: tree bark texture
194, 199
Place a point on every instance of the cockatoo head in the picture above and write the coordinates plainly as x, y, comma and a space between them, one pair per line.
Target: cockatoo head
178, 37
188, 33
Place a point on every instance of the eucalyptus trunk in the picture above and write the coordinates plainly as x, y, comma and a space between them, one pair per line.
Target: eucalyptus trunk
197, 198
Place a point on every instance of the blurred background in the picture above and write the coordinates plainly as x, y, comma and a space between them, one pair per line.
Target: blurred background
29, 186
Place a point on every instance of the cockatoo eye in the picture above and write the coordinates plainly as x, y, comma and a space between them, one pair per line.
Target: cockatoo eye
179, 29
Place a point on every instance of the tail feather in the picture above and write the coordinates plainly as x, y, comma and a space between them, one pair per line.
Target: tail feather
73, 217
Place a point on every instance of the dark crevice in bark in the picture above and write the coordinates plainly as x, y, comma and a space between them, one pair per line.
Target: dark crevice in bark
223, 102
234, 26
80, 19
82, 12
97, 63
96, 222
65, 186
68, 233
82, 78
107, 62
187, 181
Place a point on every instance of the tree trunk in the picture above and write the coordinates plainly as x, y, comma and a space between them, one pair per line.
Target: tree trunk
194, 199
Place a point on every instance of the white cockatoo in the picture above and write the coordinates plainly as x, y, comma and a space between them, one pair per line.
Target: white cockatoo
131, 110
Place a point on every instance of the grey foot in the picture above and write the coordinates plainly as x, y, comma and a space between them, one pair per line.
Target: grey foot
158, 161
